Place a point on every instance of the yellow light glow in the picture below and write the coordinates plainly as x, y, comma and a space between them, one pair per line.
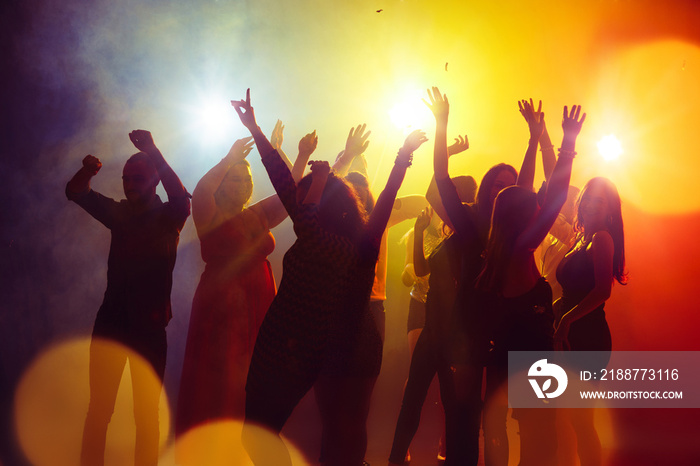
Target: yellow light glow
411, 113
52, 399
609, 147
219, 444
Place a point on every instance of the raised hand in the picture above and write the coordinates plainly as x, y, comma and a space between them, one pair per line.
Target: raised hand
461, 144
572, 121
319, 169
413, 141
245, 111
142, 140
241, 148
439, 104
534, 118
277, 135
538, 114
92, 164
307, 144
423, 220
357, 142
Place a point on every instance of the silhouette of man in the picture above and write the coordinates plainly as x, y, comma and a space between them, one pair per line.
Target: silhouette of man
136, 306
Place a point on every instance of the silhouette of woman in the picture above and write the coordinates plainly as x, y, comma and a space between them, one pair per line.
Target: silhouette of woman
461, 369
327, 271
235, 289
586, 274
513, 296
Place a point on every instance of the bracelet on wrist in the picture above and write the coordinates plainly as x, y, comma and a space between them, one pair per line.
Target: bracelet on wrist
406, 160
567, 153
549, 147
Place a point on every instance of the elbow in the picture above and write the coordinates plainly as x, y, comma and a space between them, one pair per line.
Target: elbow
406, 279
421, 272
601, 294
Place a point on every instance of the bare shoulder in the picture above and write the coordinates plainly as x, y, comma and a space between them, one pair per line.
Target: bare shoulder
601, 239
601, 244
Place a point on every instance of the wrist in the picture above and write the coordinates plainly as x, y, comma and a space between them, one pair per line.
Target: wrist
404, 157
88, 172
255, 130
568, 142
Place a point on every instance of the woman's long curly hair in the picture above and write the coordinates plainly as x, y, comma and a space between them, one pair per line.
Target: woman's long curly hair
340, 211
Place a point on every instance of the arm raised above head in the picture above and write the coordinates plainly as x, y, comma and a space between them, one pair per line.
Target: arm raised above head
355, 145
379, 217
535, 123
307, 146
203, 203
558, 186
143, 141
440, 107
80, 183
277, 170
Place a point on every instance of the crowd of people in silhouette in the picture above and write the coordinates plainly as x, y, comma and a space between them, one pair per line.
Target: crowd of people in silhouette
492, 267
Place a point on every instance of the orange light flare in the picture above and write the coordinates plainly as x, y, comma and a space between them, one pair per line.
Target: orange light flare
643, 121
51, 402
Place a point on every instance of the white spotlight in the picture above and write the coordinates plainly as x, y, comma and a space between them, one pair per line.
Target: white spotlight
214, 118
609, 147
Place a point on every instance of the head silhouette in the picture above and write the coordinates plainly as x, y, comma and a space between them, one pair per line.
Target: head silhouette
236, 188
339, 211
140, 179
599, 208
514, 209
496, 178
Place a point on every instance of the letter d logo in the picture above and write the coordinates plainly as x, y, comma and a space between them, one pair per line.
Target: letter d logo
542, 369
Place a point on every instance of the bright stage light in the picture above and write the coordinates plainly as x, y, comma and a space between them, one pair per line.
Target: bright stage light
610, 147
215, 117
410, 114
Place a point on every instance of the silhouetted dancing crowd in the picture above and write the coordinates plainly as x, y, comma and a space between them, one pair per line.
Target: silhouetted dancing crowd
475, 263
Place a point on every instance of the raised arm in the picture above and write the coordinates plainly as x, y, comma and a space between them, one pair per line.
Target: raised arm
549, 159
319, 175
203, 204
143, 141
78, 190
80, 183
178, 196
455, 215
271, 207
558, 186
307, 146
440, 107
276, 139
432, 194
277, 170
420, 264
385, 202
355, 145
535, 122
